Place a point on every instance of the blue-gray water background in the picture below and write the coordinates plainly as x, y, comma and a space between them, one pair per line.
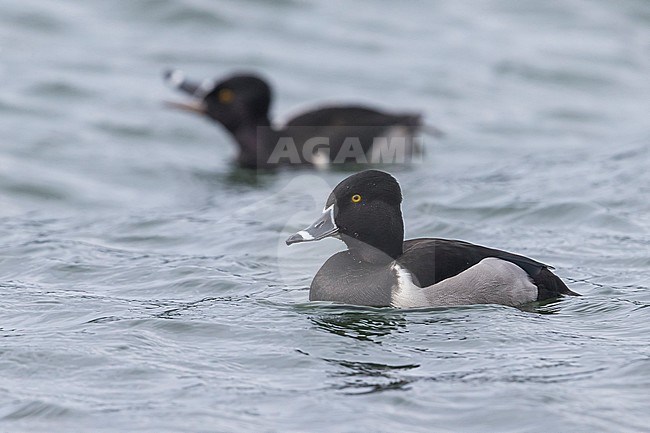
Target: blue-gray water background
145, 284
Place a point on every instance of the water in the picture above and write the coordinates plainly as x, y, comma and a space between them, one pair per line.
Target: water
145, 282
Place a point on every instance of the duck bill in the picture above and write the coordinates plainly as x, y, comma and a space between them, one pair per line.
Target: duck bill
198, 107
320, 229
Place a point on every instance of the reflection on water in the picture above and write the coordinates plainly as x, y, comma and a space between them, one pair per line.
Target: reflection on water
549, 306
364, 377
360, 325
370, 377
179, 311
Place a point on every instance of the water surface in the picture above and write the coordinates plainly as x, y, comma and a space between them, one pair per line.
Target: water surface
145, 282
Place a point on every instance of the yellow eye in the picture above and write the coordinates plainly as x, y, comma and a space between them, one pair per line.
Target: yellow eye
226, 96
356, 198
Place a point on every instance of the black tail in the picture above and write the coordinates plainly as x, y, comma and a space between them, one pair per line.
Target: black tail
550, 285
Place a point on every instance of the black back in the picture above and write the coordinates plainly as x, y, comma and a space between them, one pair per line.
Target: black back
353, 115
352, 130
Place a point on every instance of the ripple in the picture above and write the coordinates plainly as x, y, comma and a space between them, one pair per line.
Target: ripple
38, 21
125, 130
35, 409
60, 89
571, 79
173, 12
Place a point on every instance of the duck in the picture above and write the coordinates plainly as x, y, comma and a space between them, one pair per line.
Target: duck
320, 138
380, 269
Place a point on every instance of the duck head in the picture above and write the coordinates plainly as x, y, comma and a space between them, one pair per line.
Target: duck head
364, 212
240, 100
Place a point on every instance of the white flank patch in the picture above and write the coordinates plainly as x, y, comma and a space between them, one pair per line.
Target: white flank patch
405, 294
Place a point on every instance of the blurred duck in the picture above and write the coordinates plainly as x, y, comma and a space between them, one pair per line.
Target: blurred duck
337, 134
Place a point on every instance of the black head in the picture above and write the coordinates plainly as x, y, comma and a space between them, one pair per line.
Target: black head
364, 211
240, 99
236, 101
